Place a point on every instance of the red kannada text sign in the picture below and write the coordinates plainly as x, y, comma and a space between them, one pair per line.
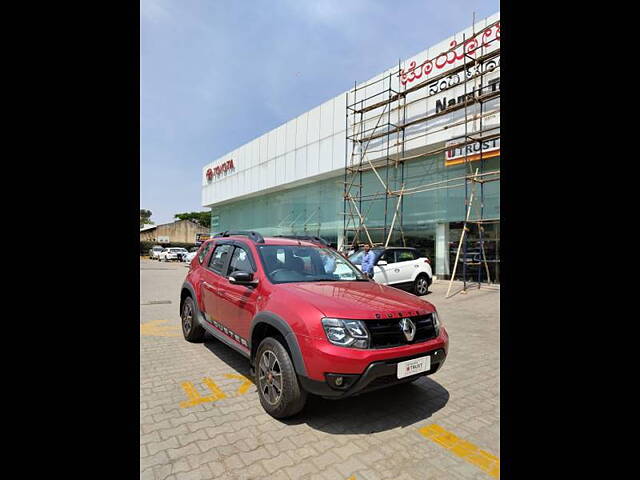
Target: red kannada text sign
453, 55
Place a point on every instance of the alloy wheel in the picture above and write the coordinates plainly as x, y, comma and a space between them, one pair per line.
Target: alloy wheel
187, 318
270, 378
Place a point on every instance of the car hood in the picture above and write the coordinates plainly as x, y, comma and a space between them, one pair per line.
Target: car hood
358, 300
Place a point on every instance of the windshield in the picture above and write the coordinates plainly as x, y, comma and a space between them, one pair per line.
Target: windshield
289, 263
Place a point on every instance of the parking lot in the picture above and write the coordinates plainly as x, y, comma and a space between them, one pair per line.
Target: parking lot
200, 416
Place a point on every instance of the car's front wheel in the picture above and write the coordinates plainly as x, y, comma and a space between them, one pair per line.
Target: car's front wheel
421, 285
191, 329
280, 393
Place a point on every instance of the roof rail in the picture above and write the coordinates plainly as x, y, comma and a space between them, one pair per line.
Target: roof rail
309, 238
255, 236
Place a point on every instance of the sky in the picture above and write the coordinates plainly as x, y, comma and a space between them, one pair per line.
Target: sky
215, 74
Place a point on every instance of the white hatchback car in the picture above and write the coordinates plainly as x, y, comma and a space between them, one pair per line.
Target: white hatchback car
400, 267
154, 253
172, 253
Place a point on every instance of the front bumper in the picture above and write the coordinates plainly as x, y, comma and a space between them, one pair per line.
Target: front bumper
379, 374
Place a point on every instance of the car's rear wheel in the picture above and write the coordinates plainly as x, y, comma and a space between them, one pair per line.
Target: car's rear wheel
421, 285
191, 329
278, 388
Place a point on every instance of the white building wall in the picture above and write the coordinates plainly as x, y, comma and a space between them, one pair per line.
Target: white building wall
313, 144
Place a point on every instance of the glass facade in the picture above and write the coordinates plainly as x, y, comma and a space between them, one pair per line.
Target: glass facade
312, 209
316, 208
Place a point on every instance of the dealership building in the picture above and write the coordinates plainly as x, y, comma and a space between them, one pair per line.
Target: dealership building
389, 161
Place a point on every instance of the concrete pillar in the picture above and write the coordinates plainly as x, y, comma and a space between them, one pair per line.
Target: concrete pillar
442, 250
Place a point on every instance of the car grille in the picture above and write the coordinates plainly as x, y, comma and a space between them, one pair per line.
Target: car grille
387, 333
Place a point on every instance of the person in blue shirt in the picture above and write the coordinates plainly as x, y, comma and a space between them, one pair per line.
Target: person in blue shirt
367, 261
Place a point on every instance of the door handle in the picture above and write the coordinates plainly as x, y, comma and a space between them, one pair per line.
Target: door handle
207, 285
397, 270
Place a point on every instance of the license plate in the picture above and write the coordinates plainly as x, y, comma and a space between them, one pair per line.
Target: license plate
411, 367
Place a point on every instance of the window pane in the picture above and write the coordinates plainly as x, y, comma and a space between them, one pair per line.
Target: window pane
388, 256
204, 252
405, 255
240, 261
219, 258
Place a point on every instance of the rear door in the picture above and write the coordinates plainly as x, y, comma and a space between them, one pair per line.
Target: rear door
238, 302
403, 268
212, 277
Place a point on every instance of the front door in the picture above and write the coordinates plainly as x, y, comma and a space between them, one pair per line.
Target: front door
238, 302
212, 277
383, 273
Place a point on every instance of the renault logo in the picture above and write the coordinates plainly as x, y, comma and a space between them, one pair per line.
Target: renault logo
408, 328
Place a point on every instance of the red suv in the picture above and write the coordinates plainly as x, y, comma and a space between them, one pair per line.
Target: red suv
307, 319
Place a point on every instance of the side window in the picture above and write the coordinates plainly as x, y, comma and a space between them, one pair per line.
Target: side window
219, 258
389, 256
405, 255
240, 261
203, 253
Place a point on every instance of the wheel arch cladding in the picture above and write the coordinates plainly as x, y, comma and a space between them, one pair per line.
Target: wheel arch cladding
266, 322
187, 291
423, 273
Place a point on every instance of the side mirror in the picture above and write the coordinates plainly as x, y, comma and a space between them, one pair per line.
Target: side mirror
382, 263
243, 278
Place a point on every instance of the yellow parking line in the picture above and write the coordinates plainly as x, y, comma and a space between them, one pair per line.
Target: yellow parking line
463, 449
194, 396
246, 383
156, 328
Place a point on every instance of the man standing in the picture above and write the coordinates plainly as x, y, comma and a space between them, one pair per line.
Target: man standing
367, 261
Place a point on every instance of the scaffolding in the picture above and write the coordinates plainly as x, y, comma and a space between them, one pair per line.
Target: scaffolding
380, 138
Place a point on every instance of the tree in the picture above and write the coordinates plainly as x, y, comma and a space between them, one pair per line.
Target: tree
145, 216
201, 218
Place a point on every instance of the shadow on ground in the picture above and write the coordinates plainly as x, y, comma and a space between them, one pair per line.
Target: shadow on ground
227, 354
378, 411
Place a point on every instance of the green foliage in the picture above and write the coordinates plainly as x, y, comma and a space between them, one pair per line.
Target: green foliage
201, 218
145, 216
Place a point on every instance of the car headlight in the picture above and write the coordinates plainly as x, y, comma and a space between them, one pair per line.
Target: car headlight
436, 322
346, 333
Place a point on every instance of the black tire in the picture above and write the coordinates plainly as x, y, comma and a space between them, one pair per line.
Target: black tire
191, 329
421, 285
292, 397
